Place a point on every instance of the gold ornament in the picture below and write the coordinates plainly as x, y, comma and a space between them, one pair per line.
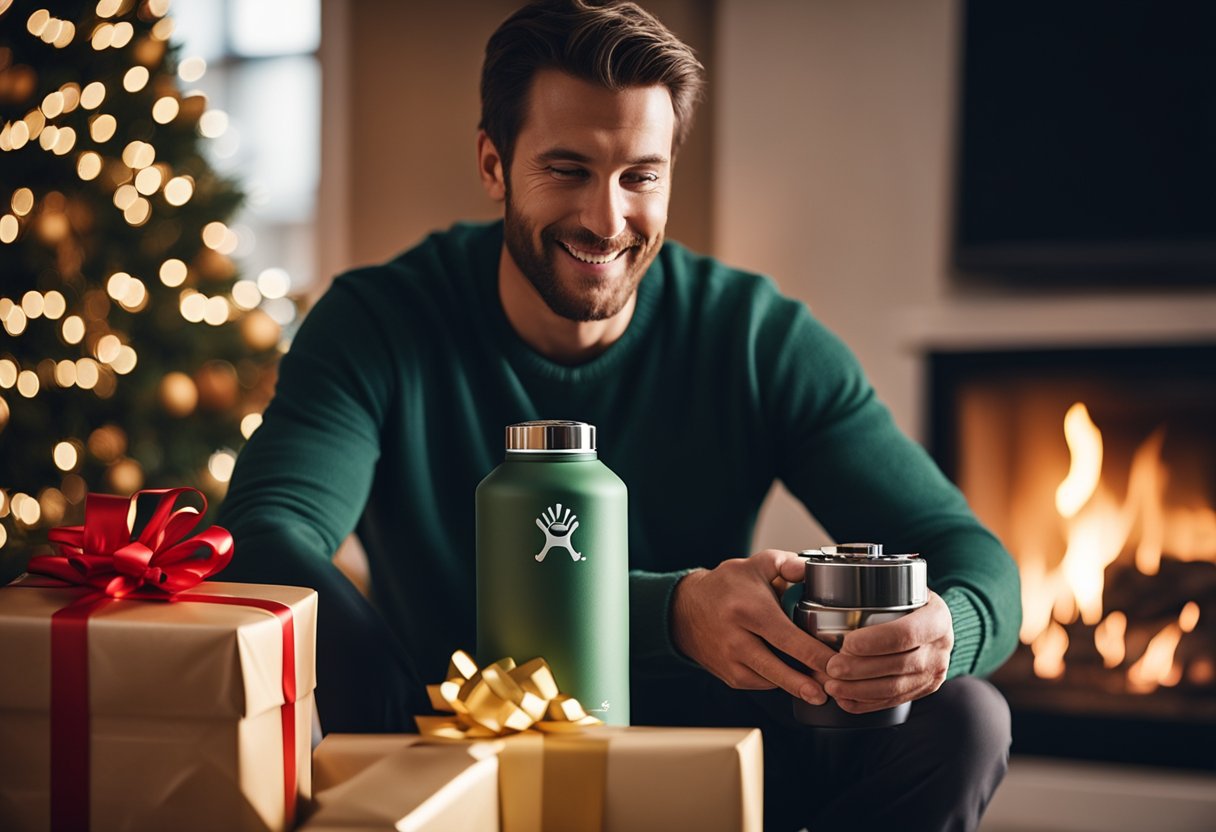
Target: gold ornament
259, 330
80, 215
18, 84
218, 386
213, 265
192, 109
108, 443
96, 304
125, 477
53, 227
74, 488
178, 394
54, 505
149, 51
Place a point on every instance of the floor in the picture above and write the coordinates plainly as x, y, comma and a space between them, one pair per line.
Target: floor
1046, 795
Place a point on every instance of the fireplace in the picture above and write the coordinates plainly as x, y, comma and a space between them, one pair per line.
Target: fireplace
1097, 468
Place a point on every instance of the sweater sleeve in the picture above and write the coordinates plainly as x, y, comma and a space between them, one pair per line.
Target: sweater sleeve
652, 652
298, 490
864, 480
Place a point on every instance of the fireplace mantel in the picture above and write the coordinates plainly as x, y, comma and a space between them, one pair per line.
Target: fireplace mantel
1063, 320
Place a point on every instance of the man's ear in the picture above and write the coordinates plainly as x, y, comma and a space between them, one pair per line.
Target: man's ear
489, 167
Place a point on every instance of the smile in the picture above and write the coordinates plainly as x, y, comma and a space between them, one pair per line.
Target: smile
589, 257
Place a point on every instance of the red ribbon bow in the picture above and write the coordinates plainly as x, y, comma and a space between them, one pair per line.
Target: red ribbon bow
101, 553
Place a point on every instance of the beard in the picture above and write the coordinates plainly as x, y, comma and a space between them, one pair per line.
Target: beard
578, 297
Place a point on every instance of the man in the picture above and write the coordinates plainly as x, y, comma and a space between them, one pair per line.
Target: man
705, 385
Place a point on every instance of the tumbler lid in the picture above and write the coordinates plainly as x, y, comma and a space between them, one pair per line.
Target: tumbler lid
860, 575
550, 436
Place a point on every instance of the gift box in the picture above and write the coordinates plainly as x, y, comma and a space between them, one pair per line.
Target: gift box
604, 779
392, 781
187, 727
135, 696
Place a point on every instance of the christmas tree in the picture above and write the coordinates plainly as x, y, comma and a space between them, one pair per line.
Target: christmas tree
132, 354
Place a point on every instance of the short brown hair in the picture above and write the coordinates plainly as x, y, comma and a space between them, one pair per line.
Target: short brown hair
613, 44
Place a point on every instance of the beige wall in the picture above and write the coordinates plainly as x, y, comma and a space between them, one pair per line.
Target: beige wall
833, 135
832, 146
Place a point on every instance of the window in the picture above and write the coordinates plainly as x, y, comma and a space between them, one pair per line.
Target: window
261, 71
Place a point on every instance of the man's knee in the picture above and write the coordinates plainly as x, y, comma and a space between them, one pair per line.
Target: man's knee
970, 722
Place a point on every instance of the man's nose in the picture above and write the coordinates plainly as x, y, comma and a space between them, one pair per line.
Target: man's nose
604, 211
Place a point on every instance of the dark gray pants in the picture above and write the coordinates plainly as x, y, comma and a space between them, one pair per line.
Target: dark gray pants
935, 772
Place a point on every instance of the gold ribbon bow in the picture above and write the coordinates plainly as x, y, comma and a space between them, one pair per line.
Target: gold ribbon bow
500, 699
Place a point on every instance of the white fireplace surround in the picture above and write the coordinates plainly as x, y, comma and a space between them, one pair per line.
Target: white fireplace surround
1028, 321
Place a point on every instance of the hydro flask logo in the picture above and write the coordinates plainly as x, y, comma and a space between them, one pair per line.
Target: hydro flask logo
557, 528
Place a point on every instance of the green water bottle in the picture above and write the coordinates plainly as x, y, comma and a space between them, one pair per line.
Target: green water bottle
553, 564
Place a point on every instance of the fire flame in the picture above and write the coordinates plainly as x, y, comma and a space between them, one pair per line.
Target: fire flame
1108, 638
1157, 666
1049, 649
1098, 530
1085, 447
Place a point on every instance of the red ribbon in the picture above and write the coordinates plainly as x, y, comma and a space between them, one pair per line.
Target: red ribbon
70, 713
101, 553
162, 562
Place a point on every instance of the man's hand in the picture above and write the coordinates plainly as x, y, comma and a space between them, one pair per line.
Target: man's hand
726, 619
888, 664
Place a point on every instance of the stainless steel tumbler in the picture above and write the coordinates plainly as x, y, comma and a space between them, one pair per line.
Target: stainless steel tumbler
847, 587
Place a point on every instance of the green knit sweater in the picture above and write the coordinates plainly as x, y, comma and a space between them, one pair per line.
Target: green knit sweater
390, 409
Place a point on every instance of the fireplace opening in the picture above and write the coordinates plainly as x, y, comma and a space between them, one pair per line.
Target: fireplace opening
1097, 469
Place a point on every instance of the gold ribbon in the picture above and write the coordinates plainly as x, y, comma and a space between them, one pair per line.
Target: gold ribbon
545, 782
500, 699
553, 781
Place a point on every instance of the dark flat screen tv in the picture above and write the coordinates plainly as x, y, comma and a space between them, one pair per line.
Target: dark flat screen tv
1086, 147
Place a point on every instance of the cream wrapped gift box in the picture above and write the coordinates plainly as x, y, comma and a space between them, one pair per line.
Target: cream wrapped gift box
605, 779
393, 781
186, 725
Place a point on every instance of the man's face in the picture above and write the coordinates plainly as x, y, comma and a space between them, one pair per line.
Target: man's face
587, 194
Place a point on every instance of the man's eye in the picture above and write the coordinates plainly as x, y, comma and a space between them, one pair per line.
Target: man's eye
567, 173
644, 178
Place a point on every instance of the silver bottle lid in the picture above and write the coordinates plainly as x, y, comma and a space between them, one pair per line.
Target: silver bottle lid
860, 575
551, 436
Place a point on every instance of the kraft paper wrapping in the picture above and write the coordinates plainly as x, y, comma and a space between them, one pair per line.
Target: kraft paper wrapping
185, 709
340, 757
392, 782
607, 779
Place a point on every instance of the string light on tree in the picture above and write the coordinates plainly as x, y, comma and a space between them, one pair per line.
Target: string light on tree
25, 509
250, 423
66, 456
8, 370
221, 465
